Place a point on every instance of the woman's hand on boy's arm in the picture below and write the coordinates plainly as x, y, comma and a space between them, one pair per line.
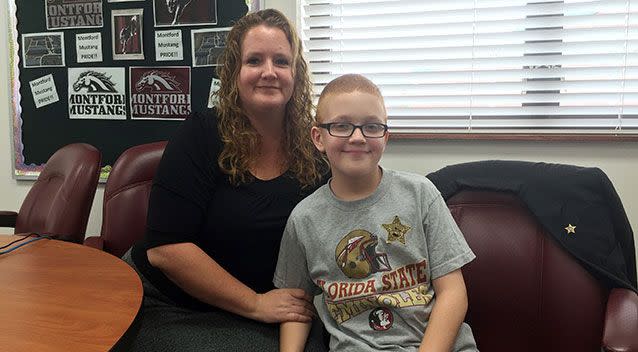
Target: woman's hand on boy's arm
447, 314
199, 275
293, 336
284, 304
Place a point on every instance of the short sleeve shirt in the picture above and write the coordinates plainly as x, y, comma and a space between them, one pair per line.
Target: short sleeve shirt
372, 262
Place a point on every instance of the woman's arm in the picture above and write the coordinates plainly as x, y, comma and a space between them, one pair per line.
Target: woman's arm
293, 336
447, 314
189, 267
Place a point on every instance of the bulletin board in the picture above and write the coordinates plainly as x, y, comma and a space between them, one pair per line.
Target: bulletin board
111, 73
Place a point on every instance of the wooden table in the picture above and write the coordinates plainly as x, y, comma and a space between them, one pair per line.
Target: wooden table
61, 296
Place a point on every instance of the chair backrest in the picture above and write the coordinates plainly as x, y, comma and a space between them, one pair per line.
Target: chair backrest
126, 196
59, 202
525, 293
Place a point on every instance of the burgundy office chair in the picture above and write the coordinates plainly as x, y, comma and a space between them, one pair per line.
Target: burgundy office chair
59, 202
526, 294
126, 198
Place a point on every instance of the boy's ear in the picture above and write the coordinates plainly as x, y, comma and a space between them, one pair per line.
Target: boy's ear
315, 134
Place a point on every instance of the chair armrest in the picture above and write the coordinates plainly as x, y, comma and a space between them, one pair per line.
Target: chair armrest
8, 218
95, 242
621, 321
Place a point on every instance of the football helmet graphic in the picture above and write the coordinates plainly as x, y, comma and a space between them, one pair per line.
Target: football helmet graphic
356, 255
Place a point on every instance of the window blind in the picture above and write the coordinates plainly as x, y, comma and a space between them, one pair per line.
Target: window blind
484, 66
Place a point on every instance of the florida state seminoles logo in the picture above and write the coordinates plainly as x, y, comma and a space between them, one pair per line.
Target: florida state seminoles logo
94, 82
157, 81
356, 255
381, 319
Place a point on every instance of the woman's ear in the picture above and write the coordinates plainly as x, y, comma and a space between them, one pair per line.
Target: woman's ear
315, 134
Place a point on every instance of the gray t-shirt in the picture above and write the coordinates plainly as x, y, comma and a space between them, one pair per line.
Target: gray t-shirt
372, 261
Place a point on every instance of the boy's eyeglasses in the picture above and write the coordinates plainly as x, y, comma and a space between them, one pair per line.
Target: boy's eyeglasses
346, 129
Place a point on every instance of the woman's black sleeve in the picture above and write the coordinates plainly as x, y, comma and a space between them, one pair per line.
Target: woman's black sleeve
184, 183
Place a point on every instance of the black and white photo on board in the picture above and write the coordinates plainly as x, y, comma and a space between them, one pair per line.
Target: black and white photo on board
126, 27
43, 49
207, 45
169, 13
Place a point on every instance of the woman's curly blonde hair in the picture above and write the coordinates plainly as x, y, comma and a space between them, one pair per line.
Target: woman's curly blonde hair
239, 137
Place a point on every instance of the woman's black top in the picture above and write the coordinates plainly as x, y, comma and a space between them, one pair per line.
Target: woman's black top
191, 200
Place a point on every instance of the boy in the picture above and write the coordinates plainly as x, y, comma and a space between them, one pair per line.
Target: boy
379, 245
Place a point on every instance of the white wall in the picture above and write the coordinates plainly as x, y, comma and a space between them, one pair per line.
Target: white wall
618, 160
11, 192
9, 195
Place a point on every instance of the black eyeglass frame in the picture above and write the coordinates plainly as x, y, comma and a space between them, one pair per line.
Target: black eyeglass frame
328, 127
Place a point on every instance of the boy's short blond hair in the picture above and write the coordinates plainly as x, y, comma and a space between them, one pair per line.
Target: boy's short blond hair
347, 84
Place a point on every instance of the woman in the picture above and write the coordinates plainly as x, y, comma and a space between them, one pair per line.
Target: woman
224, 189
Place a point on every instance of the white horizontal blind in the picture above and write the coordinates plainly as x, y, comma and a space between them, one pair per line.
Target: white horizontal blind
498, 66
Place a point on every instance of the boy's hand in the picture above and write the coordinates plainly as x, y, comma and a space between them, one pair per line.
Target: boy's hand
285, 304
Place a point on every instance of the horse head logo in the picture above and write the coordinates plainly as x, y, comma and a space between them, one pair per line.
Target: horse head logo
157, 81
94, 81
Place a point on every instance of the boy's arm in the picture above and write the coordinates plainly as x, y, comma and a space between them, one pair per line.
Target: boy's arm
293, 336
447, 314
